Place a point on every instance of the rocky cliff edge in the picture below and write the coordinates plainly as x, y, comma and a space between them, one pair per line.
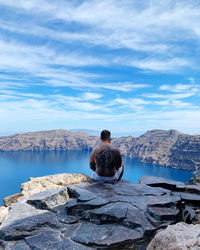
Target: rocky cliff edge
95, 215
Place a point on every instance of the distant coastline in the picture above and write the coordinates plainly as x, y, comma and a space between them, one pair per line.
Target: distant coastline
162, 147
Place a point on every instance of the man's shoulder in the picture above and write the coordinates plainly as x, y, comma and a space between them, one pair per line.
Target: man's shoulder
114, 149
105, 147
97, 149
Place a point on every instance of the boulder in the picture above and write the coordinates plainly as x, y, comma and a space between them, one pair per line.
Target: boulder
180, 237
40, 184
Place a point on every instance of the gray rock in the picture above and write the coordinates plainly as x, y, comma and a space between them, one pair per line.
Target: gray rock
24, 220
113, 212
188, 214
164, 200
49, 198
98, 215
4, 245
164, 214
105, 190
70, 229
193, 189
21, 245
137, 219
109, 235
190, 198
162, 182
44, 239
139, 190
79, 192
69, 245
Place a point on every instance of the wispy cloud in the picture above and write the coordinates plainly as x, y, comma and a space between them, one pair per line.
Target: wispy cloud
163, 65
180, 88
139, 27
133, 63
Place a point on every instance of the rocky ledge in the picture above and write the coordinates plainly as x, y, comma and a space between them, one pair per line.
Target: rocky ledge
99, 215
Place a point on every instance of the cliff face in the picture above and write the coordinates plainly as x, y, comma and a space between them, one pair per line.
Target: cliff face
48, 140
153, 147
168, 148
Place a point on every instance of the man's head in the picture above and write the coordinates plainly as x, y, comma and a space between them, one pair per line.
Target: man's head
105, 136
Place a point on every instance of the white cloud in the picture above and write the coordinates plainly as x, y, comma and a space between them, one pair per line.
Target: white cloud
152, 36
180, 88
169, 65
154, 27
173, 100
136, 104
91, 96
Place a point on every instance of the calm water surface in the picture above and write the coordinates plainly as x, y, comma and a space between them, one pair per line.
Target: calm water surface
17, 167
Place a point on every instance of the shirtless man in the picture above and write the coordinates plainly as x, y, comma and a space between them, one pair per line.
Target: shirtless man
106, 161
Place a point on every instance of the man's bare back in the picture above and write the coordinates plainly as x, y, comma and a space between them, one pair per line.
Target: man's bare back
106, 160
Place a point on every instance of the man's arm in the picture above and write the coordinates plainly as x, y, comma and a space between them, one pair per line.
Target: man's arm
92, 163
119, 162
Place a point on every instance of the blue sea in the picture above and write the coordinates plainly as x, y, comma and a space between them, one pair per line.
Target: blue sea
17, 167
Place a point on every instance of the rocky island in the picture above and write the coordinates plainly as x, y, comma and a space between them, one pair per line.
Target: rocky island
163, 147
69, 211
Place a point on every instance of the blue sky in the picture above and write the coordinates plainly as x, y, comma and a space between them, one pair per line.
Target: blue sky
128, 66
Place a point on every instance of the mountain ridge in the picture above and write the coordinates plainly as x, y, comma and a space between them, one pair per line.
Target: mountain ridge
163, 147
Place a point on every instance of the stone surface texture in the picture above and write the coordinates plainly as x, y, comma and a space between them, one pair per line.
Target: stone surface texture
102, 216
3, 213
11, 199
163, 147
49, 198
195, 180
180, 237
40, 184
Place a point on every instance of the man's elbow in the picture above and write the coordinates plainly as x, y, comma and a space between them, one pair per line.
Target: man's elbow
93, 167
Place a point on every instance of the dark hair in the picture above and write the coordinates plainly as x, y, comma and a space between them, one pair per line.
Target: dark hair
105, 134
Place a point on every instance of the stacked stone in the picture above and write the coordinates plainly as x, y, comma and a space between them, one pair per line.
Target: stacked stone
99, 215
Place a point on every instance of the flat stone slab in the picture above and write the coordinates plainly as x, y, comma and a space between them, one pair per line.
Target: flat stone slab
105, 235
155, 181
49, 198
24, 220
98, 215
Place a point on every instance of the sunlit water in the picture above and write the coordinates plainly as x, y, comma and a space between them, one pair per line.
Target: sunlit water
17, 167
